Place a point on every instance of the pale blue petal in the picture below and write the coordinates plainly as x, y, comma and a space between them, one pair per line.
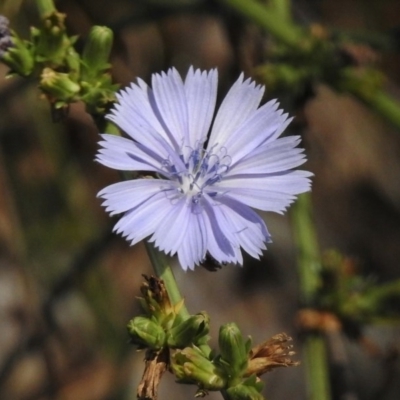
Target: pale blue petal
290, 182
126, 155
260, 127
141, 221
172, 228
217, 243
138, 116
161, 149
239, 104
194, 244
171, 105
201, 95
275, 156
249, 215
269, 193
246, 235
153, 140
249, 227
124, 196
221, 243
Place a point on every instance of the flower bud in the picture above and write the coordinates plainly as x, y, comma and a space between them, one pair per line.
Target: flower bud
96, 52
193, 330
146, 333
191, 366
58, 85
50, 41
234, 350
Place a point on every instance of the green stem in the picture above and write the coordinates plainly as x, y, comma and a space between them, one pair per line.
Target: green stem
266, 17
164, 272
315, 361
307, 247
309, 267
384, 104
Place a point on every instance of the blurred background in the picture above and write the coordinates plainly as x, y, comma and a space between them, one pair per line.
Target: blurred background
68, 286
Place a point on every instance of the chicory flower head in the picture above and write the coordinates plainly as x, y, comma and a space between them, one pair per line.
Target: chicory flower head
210, 171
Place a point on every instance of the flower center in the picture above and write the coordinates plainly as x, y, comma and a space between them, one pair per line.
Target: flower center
203, 169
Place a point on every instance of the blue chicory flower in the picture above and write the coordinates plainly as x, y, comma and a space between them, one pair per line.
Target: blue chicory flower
211, 172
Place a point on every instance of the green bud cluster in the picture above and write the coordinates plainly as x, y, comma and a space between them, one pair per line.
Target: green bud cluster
64, 75
13, 51
234, 371
162, 325
155, 332
225, 372
18, 56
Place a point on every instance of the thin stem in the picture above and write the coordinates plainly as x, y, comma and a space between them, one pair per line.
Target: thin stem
266, 17
307, 248
309, 267
315, 361
164, 272
384, 104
